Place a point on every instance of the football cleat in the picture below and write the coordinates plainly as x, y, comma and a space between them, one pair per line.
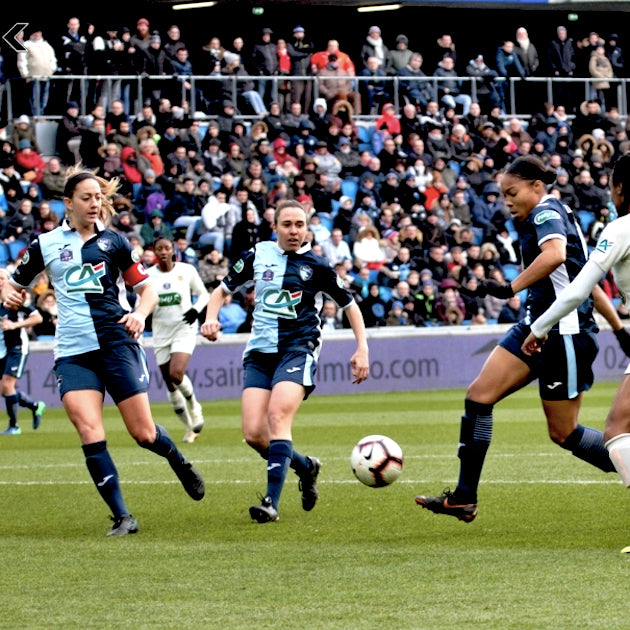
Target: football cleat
308, 485
191, 480
265, 512
197, 418
446, 503
190, 436
123, 525
38, 412
11, 431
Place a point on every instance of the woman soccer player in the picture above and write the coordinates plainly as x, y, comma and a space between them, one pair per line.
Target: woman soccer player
174, 326
14, 348
281, 355
553, 252
96, 347
611, 253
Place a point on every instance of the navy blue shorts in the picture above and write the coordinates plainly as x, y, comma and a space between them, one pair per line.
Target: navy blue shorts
13, 363
264, 370
564, 367
121, 372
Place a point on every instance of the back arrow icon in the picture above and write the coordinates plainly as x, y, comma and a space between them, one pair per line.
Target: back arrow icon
10, 37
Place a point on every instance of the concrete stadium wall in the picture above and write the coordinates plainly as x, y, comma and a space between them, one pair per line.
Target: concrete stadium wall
401, 359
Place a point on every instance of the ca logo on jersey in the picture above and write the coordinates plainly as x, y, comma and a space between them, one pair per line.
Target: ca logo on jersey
281, 303
85, 278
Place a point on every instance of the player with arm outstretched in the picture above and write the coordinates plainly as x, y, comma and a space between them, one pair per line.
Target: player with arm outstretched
280, 357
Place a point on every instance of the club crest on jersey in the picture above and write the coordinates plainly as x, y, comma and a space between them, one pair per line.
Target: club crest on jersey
280, 302
104, 244
66, 254
267, 275
306, 272
85, 278
166, 286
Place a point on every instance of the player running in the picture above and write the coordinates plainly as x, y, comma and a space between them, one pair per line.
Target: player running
554, 252
174, 325
611, 253
96, 344
280, 357
14, 346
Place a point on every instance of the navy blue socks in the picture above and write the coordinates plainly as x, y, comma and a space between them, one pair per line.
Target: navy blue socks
474, 441
105, 476
588, 445
280, 456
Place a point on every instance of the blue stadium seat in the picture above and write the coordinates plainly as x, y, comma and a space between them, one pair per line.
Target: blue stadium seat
58, 207
349, 188
510, 272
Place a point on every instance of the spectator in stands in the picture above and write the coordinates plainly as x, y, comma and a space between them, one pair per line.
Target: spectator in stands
37, 64
24, 129
72, 59
444, 46
487, 93
21, 225
600, 67
53, 177
450, 307
320, 59
373, 86
399, 56
68, 138
414, 84
265, 64
335, 82
450, 88
300, 50
561, 56
29, 164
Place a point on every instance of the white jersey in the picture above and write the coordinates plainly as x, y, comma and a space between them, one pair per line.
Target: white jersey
175, 289
613, 252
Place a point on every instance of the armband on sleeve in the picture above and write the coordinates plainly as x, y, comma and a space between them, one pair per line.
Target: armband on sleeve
135, 274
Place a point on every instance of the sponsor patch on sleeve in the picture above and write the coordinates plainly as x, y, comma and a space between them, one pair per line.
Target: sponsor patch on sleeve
546, 215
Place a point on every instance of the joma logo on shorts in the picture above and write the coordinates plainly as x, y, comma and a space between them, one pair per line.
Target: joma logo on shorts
281, 302
85, 278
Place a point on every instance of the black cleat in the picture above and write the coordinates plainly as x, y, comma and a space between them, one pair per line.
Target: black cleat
446, 503
38, 412
191, 480
123, 525
265, 512
308, 485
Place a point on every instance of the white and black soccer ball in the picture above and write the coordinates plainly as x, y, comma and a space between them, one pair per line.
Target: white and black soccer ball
376, 461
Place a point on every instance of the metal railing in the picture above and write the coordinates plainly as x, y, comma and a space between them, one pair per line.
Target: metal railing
204, 93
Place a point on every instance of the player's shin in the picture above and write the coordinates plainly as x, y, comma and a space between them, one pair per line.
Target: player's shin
619, 451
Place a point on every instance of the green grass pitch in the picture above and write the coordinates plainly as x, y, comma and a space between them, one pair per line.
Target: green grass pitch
543, 554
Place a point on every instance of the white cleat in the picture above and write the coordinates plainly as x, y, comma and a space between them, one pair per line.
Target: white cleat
196, 413
190, 436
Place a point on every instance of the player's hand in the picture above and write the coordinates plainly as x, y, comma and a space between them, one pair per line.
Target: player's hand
7, 324
13, 298
492, 287
210, 329
624, 340
532, 344
190, 316
360, 366
134, 324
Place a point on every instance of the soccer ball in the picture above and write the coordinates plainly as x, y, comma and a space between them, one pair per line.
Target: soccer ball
376, 461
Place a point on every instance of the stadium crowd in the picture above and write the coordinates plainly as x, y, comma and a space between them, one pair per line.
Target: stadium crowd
406, 206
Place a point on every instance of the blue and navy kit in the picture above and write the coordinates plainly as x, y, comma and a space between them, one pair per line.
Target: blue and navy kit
16, 339
548, 220
288, 290
89, 279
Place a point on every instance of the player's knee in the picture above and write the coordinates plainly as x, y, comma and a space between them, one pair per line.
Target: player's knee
143, 435
176, 376
558, 436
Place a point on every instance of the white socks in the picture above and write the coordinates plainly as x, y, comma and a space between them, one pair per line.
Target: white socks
180, 407
619, 450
